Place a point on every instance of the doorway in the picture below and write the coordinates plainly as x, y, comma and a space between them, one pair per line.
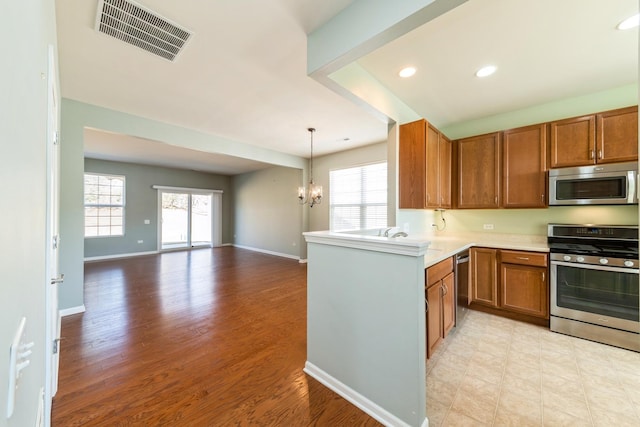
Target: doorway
188, 218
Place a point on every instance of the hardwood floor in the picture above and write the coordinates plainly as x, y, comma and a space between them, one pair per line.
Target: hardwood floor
209, 337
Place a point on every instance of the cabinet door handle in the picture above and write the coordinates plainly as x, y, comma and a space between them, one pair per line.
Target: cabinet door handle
426, 303
599, 154
591, 154
496, 200
444, 290
543, 276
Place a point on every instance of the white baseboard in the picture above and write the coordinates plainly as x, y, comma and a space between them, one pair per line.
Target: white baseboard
72, 310
366, 405
116, 256
264, 251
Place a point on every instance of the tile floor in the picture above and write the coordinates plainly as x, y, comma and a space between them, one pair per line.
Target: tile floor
499, 372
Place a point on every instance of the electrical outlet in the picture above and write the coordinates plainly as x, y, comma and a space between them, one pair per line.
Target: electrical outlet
140, 241
488, 226
147, 221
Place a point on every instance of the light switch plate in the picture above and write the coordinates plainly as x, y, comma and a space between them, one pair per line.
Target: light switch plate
14, 360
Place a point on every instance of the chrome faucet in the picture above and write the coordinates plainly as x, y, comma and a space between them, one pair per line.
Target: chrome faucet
386, 232
400, 234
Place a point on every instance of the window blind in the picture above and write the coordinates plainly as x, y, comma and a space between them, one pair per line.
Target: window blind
358, 197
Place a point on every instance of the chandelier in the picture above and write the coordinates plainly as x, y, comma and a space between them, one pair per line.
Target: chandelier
314, 196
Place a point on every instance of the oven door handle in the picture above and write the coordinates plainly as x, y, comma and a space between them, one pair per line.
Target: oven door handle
597, 267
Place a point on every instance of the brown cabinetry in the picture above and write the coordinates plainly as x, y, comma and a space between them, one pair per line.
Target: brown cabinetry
424, 163
521, 288
524, 165
479, 171
607, 137
438, 169
440, 302
524, 283
484, 276
617, 135
412, 169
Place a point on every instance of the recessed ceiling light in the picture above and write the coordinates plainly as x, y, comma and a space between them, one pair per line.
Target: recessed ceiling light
486, 71
407, 72
629, 23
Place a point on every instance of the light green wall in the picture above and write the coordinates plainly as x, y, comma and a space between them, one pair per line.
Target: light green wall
142, 203
267, 215
71, 208
518, 221
366, 325
23, 173
623, 96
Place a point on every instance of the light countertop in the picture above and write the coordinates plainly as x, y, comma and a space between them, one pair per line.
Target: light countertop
433, 246
445, 245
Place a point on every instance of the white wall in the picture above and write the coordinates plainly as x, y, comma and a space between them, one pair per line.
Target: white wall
28, 27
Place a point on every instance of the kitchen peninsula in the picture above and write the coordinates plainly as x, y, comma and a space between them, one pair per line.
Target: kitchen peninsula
366, 326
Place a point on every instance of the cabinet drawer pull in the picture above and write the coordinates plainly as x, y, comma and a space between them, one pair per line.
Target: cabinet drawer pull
524, 258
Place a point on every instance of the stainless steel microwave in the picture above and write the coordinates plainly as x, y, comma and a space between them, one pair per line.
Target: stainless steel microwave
610, 184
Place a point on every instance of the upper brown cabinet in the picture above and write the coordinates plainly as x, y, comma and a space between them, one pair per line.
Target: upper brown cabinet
412, 168
524, 165
424, 164
573, 141
608, 137
479, 171
617, 135
438, 169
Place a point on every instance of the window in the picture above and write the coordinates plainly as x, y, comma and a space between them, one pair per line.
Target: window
358, 197
103, 205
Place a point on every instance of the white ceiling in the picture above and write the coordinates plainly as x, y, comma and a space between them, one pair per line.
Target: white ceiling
243, 75
545, 50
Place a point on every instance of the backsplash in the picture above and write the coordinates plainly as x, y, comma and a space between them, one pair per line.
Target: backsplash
515, 221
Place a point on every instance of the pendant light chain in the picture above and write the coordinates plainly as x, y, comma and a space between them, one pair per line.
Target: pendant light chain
314, 194
311, 130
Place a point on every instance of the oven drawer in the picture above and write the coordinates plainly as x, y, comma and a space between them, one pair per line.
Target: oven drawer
538, 259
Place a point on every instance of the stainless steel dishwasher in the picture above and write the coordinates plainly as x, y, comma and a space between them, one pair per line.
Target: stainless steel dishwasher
462, 286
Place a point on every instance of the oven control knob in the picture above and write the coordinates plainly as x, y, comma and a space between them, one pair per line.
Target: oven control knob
604, 261
566, 258
628, 263
580, 259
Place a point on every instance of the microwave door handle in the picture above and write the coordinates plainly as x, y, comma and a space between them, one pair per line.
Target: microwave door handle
632, 196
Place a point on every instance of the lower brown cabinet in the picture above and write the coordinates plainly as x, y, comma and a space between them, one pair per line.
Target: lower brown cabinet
524, 285
510, 281
440, 302
484, 276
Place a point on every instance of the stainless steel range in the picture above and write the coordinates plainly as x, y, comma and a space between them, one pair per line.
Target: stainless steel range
594, 283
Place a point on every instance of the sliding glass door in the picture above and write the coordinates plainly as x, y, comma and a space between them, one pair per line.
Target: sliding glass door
201, 220
186, 219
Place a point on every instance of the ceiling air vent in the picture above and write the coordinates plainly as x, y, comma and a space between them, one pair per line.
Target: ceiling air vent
139, 26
